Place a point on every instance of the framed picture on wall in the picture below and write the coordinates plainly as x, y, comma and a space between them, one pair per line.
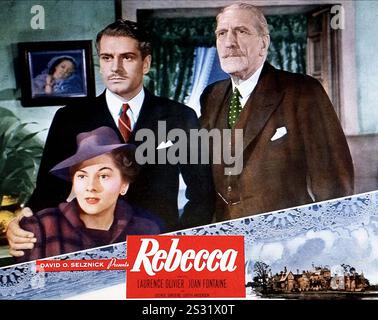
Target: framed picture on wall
56, 72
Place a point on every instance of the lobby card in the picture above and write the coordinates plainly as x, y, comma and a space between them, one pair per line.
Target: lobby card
316, 251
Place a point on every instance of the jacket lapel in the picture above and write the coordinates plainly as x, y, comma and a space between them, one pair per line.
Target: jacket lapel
148, 116
123, 215
102, 114
216, 105
261, 104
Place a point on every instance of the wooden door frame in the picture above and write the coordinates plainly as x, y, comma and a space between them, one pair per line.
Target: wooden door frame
348, 76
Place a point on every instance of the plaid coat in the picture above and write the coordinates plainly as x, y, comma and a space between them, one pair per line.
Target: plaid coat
60, 230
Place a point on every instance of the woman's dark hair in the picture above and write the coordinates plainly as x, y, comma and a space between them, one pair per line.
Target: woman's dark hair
52, 66
124, 159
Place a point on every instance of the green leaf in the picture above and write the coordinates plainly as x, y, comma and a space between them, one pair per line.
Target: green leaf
20, 154
26, 139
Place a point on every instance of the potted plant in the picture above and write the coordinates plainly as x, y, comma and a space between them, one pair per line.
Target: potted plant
20, 154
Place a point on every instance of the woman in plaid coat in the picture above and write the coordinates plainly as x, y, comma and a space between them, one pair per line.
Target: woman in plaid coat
101, 170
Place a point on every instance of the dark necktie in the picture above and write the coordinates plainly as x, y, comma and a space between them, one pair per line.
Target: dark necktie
235, 108
124, 122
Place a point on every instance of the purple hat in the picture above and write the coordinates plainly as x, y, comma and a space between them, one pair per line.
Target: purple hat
89, 145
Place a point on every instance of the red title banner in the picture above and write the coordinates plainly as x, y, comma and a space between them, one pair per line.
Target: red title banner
185, 267
172, 266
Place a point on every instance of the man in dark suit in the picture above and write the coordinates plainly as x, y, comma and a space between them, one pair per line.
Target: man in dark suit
125, 57
294, 150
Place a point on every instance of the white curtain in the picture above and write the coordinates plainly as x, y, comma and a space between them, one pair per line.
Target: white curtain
203, 63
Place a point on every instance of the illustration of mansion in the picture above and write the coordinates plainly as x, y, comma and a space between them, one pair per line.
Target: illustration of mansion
320, 279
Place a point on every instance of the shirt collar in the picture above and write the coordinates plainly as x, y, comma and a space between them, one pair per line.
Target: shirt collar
115, 103
247, 86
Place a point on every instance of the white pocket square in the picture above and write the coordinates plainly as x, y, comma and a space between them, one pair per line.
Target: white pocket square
280, 132
164, 145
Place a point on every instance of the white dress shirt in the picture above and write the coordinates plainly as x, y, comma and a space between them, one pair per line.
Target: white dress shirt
115, 103
246, 87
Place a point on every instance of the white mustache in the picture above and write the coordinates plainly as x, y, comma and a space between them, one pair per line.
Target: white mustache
232, 54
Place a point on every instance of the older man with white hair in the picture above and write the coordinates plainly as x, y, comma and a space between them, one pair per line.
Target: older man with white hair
294, 149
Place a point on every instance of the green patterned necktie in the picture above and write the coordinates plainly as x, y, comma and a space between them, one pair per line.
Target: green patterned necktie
235, 108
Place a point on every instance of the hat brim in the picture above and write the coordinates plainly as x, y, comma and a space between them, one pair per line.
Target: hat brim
62, 169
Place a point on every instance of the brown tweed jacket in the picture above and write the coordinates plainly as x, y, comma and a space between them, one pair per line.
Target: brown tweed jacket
311, 162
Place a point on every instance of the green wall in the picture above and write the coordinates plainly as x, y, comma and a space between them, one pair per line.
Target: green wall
64, 20
82, 19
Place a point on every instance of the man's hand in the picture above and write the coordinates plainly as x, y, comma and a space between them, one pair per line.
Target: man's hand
18, 238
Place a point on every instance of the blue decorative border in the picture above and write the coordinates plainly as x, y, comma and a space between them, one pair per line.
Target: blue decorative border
23, 282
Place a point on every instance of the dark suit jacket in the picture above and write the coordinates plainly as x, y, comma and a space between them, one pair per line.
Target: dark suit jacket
156, 188
310, 162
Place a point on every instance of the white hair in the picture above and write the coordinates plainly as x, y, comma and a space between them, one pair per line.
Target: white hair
259, 21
